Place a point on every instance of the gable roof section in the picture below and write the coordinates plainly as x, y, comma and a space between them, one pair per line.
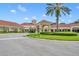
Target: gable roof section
27, 24
45, 21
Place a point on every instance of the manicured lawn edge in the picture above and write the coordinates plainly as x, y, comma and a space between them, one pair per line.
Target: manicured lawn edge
54, 37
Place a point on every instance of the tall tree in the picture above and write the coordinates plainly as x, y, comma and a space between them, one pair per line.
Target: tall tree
57, 9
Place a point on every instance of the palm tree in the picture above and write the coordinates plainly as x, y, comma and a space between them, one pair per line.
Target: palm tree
57, 9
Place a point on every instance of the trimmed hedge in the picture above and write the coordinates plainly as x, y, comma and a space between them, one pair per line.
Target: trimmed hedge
60, 33
11, 32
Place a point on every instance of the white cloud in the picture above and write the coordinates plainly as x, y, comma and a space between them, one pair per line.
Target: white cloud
21, 8
13, 11
34, 17
26, 18
77, 7
44, 15
70, 16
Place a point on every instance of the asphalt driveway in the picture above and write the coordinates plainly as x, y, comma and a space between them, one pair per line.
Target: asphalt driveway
12, 44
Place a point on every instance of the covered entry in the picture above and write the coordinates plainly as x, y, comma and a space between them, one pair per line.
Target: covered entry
44, 26
75, 29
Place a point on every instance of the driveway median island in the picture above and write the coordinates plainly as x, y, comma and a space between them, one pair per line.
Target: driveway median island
69, 36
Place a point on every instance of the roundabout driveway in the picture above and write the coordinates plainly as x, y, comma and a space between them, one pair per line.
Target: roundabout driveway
14, 44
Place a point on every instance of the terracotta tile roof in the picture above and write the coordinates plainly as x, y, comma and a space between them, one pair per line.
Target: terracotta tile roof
2, 22
75, 24
27, 24
61, 25
65, 26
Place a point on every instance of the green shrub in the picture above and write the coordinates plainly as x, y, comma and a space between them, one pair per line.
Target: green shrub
31, 30
60, 33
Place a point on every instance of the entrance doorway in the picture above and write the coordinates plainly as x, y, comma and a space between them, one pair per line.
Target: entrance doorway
75, 29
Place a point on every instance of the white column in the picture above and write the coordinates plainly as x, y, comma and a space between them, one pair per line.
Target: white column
61, 30
49, 28
53, 30
18, 29
40, 29
71, 29
36, 29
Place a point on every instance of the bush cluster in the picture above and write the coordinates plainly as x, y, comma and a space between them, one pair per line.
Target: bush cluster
60, 33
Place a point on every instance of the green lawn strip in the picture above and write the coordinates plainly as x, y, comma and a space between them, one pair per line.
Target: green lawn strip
54, 37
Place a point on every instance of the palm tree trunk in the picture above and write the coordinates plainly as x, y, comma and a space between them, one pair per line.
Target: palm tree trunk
57, 23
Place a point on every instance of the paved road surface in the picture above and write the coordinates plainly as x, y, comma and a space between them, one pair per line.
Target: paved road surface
17, 45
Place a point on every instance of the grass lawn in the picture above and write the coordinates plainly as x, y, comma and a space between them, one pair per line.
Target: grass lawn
54, 37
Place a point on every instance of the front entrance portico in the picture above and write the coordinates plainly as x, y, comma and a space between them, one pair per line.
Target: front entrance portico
44, 26
75, 29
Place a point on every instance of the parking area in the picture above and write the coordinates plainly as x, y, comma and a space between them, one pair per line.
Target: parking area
15, 44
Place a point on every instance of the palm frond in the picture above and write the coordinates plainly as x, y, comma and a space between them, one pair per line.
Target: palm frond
66, 10
49, 12
50, 9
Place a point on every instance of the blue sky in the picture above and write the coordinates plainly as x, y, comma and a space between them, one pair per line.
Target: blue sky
19, 12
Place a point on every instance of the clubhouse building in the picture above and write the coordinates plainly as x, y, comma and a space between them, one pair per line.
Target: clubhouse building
46, 26
42, 26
